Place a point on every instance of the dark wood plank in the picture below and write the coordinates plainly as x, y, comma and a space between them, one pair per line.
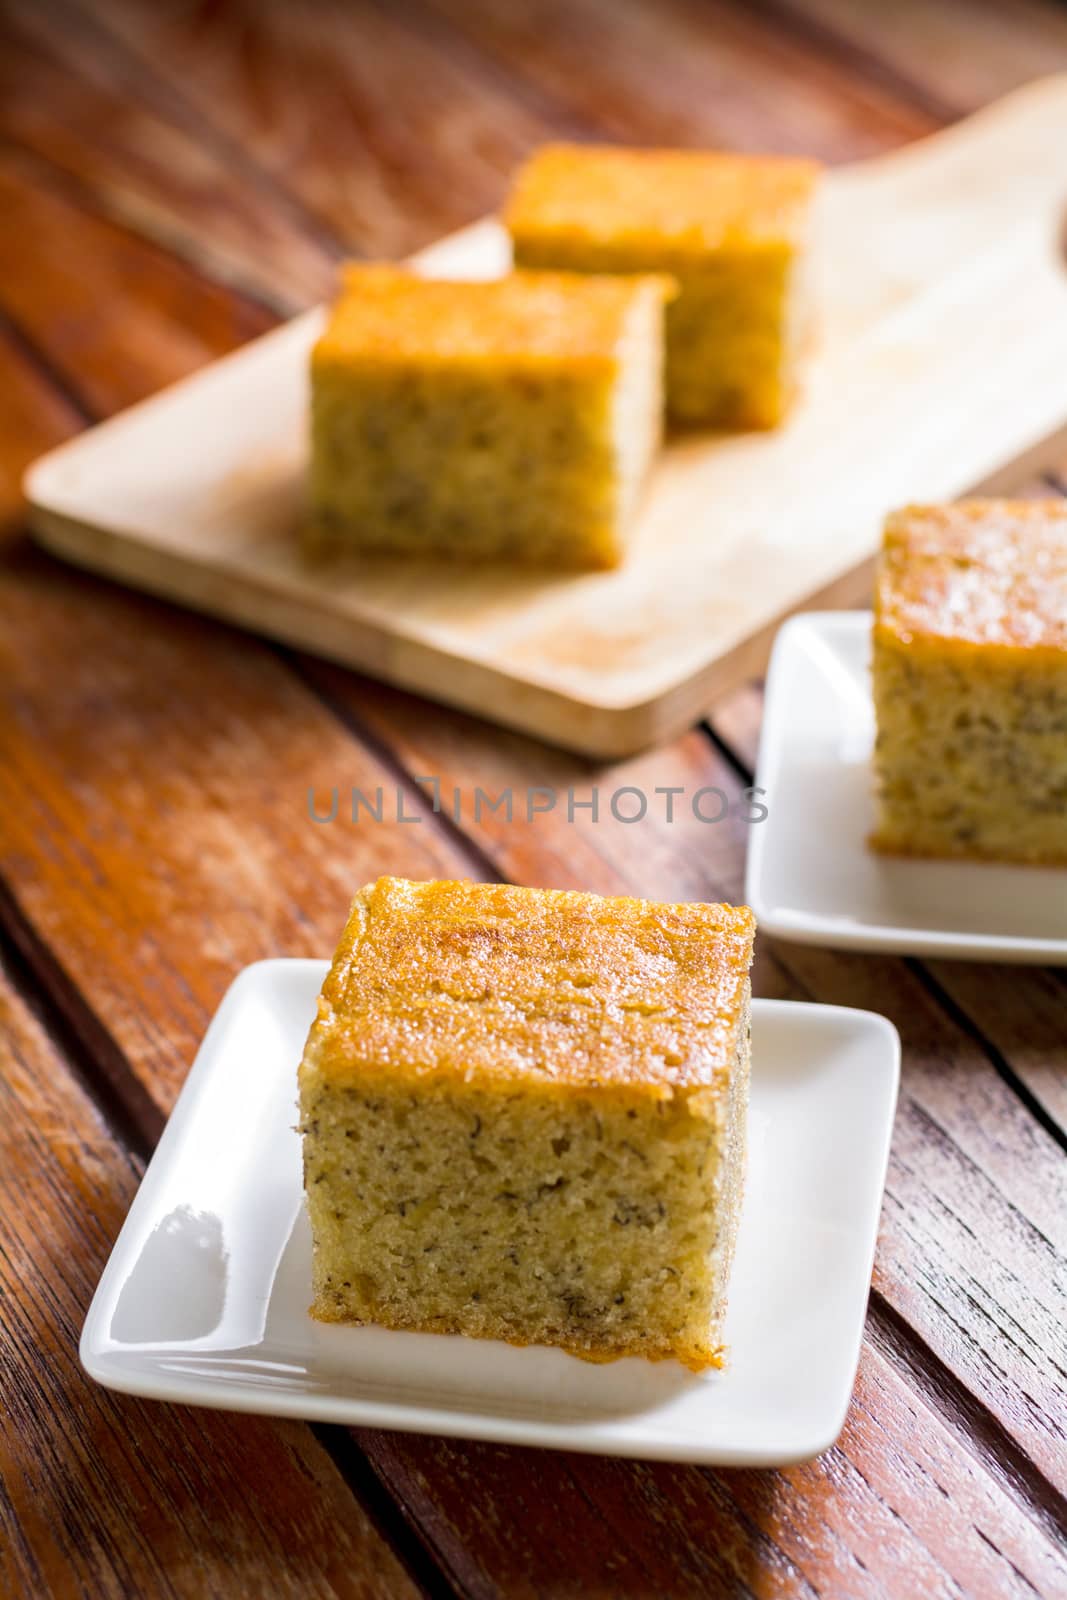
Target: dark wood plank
949, 58
824, 1514
191, 729
688, 72
897, 1507
676, 71
82, 114
54, 290
379, 130
736, 722
1023, 1017
101, 1494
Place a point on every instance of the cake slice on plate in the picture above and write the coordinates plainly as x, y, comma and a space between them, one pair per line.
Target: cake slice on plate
970, 681
523, 1115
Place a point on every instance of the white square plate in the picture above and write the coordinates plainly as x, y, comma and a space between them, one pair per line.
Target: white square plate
810, 874
204, 1299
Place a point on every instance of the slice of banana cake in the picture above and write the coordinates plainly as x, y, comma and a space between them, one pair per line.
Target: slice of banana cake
512, 421
523, 1114
733, 231
970, 681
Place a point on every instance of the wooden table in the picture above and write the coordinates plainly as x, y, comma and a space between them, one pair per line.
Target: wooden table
174, 179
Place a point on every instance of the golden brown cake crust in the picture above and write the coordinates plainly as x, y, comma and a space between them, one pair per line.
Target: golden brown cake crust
497, 983
690, 199
981, 573
389, 314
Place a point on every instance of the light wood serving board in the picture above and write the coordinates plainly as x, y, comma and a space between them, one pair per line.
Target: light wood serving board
942, 369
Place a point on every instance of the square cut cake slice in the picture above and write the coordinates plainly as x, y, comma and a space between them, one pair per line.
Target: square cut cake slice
970, 681
732, 230
523, 1114
510, 421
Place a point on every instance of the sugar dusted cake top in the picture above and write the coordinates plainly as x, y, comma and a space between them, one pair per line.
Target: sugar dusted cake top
989, 573
686, 198
389, 314
511, 985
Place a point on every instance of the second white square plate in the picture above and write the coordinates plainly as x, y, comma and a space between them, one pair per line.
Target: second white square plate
810, 875
204, 1299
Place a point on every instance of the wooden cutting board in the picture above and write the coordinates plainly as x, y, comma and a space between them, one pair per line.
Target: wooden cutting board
942, 370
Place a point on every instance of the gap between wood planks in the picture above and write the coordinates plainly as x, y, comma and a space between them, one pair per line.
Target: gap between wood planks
134, 73
37, 360
965, 1414
942, 1390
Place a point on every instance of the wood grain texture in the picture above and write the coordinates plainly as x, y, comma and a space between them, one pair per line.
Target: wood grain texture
153, 835
676, 73
1023, 1022
193, 125
355, 153
83, 114
101, 1494
59, 264
868, 1518
946, 59
160, 979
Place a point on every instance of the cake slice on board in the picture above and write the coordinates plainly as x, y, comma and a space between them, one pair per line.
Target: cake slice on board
509, 421
733, 230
